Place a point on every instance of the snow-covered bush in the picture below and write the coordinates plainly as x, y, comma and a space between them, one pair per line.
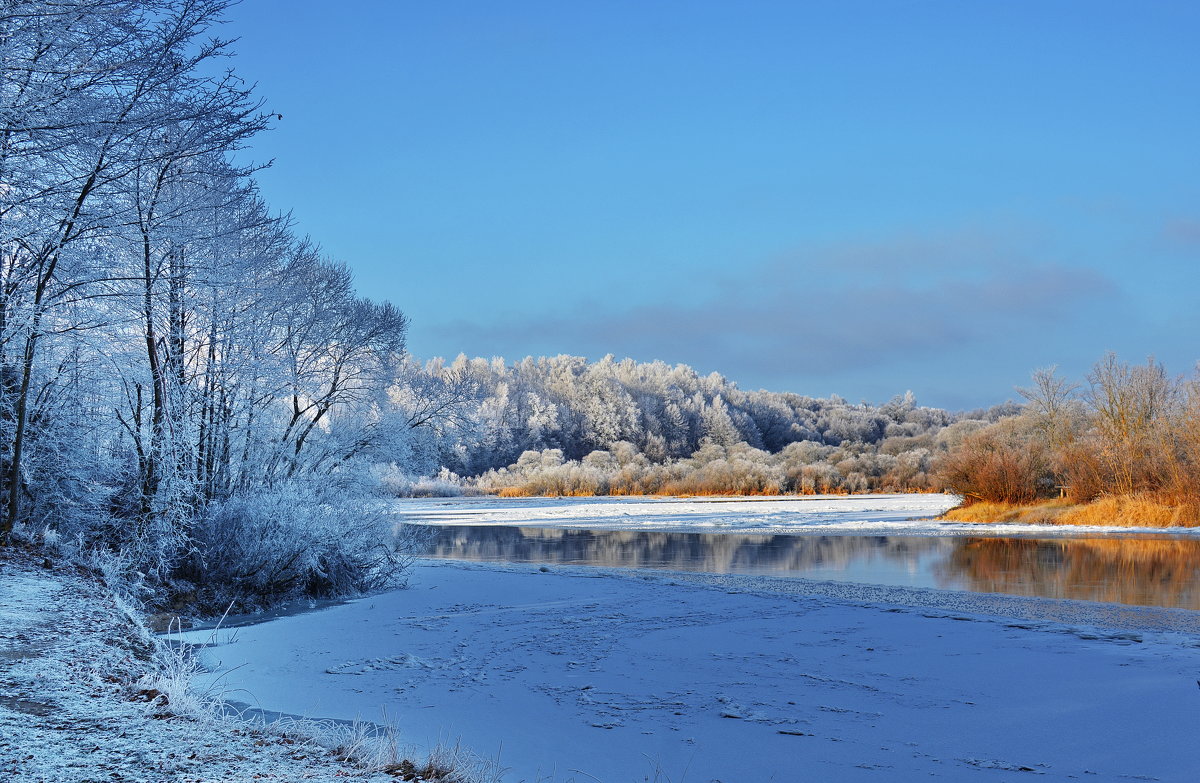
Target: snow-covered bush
287, 543
394, 481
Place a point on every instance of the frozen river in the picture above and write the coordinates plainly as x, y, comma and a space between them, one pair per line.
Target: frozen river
564, 673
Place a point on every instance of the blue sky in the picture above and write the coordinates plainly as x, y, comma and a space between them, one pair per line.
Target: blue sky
852, 198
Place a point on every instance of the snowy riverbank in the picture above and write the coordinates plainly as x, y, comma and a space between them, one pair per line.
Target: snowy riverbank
583, 675
74, 707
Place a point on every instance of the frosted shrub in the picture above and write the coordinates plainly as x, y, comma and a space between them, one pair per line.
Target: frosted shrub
117, 568
444, 484
394, 481
286, 543
715, 469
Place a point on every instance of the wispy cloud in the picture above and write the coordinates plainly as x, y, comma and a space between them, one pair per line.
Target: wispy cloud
844, 307
830, 315
1183, 232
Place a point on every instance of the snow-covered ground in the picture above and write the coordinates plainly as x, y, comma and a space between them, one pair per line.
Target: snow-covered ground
75, 709
911, 514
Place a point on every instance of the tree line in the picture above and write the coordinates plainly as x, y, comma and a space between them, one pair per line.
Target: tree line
565, 426
174, 361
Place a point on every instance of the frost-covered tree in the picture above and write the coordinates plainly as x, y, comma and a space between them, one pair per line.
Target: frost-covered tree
170, 354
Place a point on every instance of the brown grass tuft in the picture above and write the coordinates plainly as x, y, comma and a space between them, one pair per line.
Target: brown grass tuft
514, 492
1120, 511
986, 512
428, 772
1134, 511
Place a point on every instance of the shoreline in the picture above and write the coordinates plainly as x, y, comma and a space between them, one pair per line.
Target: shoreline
88, 693
1118, 511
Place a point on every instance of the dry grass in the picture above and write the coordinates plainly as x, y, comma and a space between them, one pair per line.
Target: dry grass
514, 492
1044, 513
1133, 511
1122, 511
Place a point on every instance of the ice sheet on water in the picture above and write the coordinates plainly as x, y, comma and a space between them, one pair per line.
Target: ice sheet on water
905, 514
743, 679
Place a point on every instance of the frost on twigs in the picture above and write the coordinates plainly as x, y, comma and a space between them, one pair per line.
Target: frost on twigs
287, 544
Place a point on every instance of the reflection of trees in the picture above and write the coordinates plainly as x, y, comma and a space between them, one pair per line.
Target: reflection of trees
714, 553
1148, 572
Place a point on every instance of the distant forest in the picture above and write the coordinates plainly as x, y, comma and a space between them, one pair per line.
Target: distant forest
562, 425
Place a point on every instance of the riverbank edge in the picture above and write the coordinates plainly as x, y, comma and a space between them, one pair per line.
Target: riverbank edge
90, 692
1110, 511
520, 492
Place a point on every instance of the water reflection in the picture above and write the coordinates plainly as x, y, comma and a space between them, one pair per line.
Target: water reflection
1143, 571
709, 553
